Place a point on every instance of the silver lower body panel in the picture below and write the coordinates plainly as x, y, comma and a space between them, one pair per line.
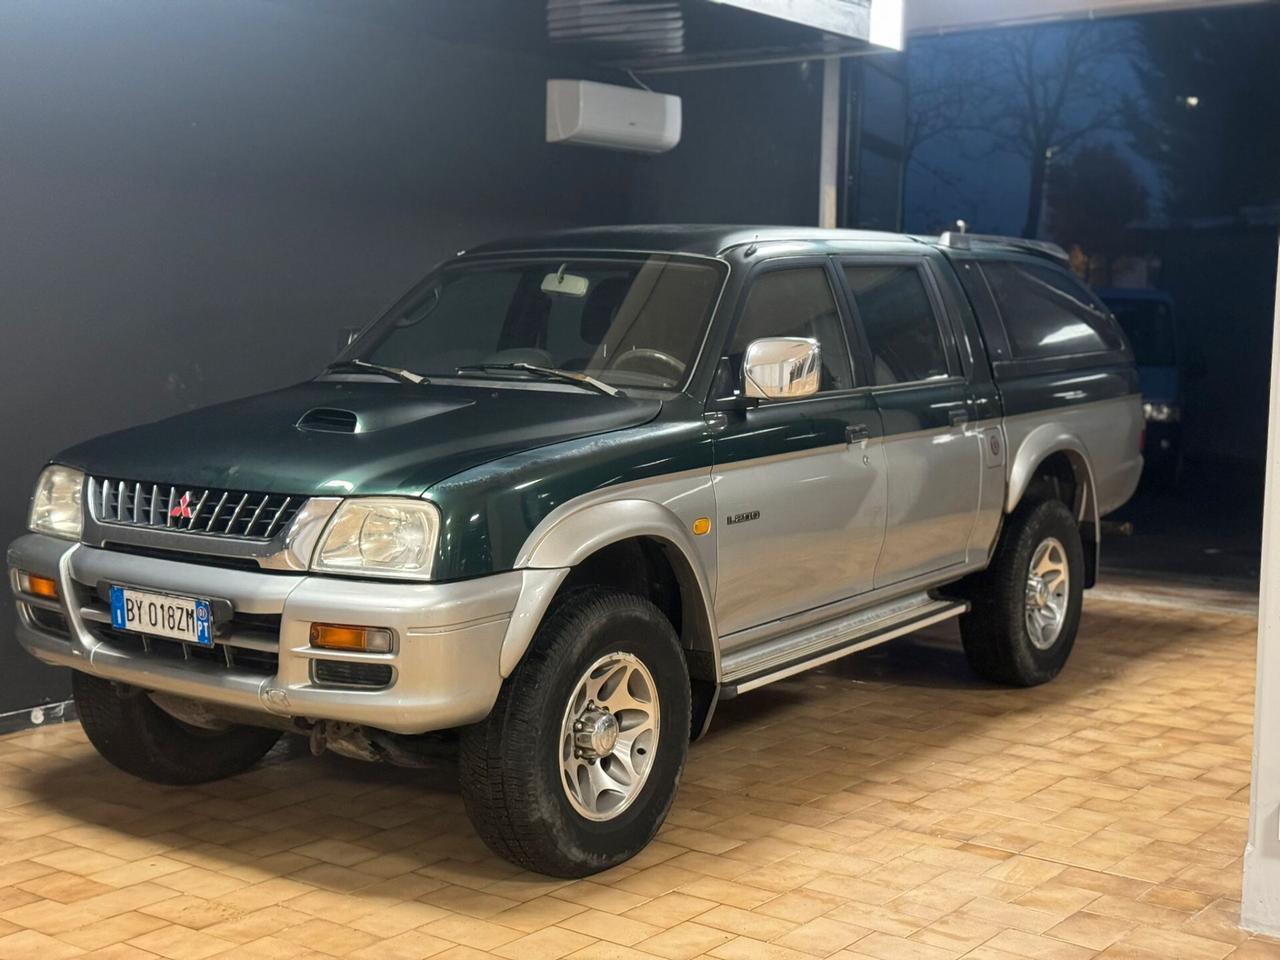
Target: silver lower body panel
443, 671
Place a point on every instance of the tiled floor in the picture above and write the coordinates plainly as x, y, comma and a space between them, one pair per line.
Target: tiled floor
886, 807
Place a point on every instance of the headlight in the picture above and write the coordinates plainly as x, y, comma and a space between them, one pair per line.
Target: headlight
55, 506
1161, 412
380, 537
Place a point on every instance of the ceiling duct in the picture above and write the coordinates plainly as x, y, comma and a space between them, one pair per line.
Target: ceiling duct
670, 35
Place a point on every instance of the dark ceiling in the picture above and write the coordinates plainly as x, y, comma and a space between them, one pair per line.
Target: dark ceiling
640, 35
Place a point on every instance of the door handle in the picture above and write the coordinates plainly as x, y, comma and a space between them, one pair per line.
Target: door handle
958, 417
857, 432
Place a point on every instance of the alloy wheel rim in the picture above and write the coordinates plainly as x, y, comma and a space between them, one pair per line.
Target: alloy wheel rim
1048, 583
609, 736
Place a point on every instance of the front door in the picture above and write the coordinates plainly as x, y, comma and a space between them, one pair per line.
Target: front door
932, 451
799, 484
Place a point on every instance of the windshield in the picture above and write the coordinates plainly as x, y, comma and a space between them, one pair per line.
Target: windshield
628, 321
1149, 326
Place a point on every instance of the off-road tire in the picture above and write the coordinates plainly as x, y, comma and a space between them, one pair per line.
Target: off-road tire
509, 764
132, 733
996, 640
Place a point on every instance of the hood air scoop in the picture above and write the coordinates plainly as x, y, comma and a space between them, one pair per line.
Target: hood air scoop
329, 420
375, 417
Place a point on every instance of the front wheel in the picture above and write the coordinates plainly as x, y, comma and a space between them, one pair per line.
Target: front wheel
576, 767
134, 734
1026, 607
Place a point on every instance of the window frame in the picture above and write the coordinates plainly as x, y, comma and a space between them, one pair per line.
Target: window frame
942, 319
834, 284
1016, 366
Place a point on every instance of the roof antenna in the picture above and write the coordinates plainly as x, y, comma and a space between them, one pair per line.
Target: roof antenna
752, 247
956, 238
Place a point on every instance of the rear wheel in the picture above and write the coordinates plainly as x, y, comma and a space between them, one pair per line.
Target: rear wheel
576, 767
134, 734
1026, 607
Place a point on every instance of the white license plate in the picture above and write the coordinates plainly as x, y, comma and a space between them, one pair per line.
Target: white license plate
161, 615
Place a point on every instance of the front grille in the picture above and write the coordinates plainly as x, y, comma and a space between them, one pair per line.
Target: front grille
262, 662
247, 642
206, 510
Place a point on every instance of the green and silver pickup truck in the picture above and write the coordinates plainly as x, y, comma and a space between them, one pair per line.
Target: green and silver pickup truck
571, 492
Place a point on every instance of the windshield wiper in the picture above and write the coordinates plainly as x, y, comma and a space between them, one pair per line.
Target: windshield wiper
408, 376
551, 373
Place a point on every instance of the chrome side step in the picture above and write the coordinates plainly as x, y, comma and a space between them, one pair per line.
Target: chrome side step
816, 645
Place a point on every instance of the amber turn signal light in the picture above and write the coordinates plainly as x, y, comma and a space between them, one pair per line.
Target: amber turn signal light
38, 586
332, 636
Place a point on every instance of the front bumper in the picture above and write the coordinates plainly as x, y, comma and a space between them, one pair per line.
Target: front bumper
444, 671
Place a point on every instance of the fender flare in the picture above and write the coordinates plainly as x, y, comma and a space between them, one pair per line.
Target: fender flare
1043, 442
572, 533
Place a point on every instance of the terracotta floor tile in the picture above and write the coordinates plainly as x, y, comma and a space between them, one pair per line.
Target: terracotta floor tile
887, 947
550, 943
1091, 930
822, 936
180, 943
1104, 812
29, 944
613, 928
684, 941
745, 948
800, 906
671, 909
410, 945
534, 915
471, 931
1036, 947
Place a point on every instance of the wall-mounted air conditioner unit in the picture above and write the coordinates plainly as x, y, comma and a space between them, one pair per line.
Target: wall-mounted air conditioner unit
617, 118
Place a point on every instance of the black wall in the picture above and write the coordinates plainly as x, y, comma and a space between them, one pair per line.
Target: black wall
196, 197
749, 151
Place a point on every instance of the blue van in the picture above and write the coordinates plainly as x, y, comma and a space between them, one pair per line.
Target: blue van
1147, 318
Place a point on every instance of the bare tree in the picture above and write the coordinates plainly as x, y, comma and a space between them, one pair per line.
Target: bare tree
945, 79
1055, 87
1094, 201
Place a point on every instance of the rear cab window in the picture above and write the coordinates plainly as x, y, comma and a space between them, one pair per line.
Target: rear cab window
1048, 314
899, 322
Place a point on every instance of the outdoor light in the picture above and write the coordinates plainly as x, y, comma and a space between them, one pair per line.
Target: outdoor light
331, 636
1161, 412
55, 505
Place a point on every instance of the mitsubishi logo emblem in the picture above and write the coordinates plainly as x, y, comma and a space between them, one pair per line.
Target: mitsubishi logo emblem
183, 509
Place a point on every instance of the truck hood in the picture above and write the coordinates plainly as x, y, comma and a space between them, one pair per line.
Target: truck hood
352, 437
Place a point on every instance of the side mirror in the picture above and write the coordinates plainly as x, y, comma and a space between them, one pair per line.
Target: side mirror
782, 368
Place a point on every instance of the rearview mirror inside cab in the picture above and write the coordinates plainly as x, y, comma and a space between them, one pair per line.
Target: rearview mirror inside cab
567, 284
782, 368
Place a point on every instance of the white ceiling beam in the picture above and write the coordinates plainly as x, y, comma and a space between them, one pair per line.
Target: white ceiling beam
844, 18
947, 16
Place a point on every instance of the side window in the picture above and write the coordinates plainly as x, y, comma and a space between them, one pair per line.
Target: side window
1048, 313
796, 302
900, 325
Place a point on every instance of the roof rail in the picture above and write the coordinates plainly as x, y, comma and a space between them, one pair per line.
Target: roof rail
970, 241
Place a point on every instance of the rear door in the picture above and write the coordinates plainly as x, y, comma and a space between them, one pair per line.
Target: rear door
799, 484
933, 454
